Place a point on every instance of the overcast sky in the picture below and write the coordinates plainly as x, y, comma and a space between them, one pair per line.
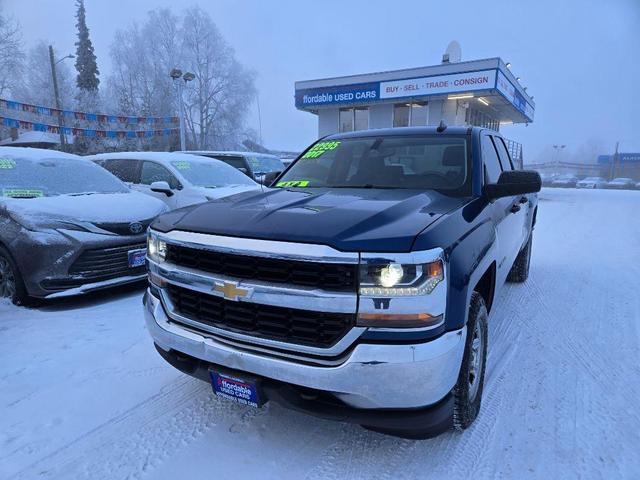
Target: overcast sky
580, 59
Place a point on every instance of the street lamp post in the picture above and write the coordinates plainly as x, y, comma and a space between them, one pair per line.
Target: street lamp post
176, 74
558, 149
56, 94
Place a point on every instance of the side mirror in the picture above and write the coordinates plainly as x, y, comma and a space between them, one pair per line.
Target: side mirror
512, 183
270, 177
161, 187
243, 170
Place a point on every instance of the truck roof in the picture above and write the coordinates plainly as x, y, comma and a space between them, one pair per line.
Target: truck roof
401, 131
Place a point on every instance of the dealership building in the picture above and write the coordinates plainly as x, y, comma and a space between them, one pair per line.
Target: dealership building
481, 92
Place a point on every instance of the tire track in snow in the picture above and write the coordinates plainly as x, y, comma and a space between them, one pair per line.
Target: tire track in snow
133, 443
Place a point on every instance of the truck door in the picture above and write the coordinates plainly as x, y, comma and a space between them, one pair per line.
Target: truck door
524, 214
504, 213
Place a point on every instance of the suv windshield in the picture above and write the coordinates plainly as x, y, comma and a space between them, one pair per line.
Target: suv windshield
47, 177
404, 162
210, 173
262, 164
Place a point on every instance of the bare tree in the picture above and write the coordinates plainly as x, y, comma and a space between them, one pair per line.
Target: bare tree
11, 54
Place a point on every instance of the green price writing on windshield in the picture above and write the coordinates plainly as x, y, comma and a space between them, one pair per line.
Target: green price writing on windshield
182, 165
319, 148
7, 164
293, 183
22, 192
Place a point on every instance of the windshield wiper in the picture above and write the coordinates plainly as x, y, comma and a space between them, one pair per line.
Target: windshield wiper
82, 193
366, 185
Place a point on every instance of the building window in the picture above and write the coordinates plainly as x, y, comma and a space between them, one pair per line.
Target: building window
406, 114
478, 118
354, 119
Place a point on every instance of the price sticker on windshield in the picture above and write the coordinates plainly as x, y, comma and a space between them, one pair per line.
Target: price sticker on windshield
293, 183
7, 164
182, 165
320, 148
22, 193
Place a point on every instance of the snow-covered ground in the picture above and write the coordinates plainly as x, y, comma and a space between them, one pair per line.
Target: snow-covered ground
83, 393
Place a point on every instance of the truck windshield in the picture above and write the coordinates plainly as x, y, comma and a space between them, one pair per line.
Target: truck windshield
400, 162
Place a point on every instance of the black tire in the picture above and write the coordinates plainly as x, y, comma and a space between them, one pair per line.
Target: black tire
520, 269
11, 283
467, 393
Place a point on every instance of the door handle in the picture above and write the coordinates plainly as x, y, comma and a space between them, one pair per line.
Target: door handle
523, 200
514, 208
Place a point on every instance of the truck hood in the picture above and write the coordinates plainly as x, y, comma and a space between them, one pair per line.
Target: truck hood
345, 219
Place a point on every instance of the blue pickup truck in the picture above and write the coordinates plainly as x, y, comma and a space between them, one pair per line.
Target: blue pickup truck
358, 286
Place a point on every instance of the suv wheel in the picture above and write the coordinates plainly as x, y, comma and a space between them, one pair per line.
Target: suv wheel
468, 390
520, 269
11, 285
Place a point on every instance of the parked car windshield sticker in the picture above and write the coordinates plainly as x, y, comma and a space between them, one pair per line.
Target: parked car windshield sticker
22, 192
181, 165
293, 183
7, 164
319, 148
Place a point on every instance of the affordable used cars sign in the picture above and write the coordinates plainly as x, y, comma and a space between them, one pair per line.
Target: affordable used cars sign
414, 87
363, 92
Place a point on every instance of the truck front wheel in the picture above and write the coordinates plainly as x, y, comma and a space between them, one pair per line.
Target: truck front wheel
467, 393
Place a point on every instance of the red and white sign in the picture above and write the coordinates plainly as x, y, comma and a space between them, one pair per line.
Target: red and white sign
439, 84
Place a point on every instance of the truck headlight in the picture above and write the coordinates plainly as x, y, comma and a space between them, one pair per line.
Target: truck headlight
156, 248
395, 279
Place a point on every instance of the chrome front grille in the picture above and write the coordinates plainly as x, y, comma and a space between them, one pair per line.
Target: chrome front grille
327, 276
305, 327
296, 297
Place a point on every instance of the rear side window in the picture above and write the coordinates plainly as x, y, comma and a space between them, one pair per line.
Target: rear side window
234, 161
125, 170
154, 172
505, 158
491, 161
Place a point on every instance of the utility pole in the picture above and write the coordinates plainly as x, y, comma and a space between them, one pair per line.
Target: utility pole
57, 97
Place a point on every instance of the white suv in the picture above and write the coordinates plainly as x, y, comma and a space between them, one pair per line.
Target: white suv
178, 179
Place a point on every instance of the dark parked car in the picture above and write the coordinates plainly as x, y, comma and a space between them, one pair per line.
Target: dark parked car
255, 165
67, 226
565, 181
359, 287
621, 183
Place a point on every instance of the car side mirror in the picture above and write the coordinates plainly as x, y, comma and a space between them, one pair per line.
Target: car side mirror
514, 182
243, 170
270, 177
161, 187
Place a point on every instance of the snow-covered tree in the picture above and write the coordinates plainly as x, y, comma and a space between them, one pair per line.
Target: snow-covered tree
36, 85
86, 65
11, 53
218, 98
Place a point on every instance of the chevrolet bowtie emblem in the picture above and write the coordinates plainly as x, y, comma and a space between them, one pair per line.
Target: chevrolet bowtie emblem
231, 291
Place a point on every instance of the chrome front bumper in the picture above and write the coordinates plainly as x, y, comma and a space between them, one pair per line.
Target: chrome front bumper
369, 376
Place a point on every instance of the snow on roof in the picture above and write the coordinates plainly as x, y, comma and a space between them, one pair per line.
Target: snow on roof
228, 152
34, 153
164, 157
